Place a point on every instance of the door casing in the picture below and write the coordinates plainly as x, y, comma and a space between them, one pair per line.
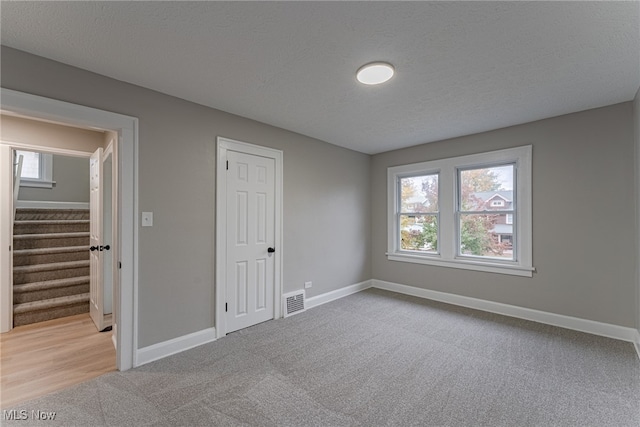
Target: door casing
127, 128
224, 145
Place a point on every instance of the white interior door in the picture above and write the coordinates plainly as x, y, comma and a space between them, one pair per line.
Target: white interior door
96, 296
107, 235
250, 240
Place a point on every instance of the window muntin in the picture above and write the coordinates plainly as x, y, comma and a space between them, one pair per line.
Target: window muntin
482, 227
513, 219
418, 228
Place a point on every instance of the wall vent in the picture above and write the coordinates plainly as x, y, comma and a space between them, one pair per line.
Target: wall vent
293, 303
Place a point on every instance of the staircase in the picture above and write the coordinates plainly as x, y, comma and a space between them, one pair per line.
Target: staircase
50, 264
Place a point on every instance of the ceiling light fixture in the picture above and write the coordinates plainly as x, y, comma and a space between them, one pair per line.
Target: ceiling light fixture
375, 73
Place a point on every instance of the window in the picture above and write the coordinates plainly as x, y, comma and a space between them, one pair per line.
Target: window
479, 229
37, 169
471, 212
418, 218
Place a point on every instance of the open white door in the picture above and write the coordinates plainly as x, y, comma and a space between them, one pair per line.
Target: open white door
96, 296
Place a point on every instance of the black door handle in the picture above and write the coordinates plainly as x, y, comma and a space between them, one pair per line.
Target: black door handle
94, 248
105, 248
271, 250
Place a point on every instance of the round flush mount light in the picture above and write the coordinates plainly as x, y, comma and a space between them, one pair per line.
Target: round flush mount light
375, 73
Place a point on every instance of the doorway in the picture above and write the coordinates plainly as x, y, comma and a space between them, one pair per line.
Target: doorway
52, 220
248, 235
125, 313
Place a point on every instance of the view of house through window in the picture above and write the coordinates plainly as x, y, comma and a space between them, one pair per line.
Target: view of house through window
419, 213
485, 212
471, 212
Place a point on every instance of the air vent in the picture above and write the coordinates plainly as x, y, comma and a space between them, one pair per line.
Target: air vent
293, 303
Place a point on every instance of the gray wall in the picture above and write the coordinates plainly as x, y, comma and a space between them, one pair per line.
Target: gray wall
636, 128
71, 175
583, 214
335, 199
326, 195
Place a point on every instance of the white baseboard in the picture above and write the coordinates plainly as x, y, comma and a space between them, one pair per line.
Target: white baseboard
32, 204
173, 346
568, 322
337, 294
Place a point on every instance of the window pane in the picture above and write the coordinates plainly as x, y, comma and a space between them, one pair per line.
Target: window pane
30, 164
486, 235
486, 189
419, 233
419, 194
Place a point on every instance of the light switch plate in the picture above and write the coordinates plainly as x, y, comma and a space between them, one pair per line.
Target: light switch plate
147, 219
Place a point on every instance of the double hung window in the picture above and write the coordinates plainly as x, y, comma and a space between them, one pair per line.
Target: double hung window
470, 212
37, 169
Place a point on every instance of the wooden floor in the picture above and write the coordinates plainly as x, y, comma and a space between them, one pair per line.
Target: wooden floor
44, 357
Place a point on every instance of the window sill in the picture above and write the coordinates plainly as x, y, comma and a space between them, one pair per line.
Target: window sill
489, 267
36, 183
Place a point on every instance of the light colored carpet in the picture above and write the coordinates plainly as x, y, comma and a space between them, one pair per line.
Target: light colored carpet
373, 358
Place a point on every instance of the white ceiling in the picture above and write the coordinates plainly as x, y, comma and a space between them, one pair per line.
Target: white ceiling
462, 68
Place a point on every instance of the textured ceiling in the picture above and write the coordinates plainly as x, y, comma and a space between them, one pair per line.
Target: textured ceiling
462, 67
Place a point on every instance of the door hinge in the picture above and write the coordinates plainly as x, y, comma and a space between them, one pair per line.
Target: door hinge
227, 164
226, 307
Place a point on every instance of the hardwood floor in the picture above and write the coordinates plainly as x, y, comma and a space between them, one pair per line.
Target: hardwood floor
41, 358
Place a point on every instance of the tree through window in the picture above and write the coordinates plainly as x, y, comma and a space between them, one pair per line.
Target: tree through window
471, 212
485, 199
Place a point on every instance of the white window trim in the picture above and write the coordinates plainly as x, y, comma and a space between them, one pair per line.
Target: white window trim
447, 241
46, 174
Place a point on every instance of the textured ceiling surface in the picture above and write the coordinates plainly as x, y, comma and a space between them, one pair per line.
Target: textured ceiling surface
462, 67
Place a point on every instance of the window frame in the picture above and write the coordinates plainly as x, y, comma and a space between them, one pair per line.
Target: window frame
509, 219
459, 212
45, 179
448, 230
435, 214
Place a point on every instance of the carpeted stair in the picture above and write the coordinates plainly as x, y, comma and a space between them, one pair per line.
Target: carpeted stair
50, 264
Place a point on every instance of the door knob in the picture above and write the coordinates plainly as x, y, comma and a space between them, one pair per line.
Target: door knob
94, 248
271, 250
105, 248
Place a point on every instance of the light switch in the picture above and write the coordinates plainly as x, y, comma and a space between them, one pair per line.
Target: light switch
147, 219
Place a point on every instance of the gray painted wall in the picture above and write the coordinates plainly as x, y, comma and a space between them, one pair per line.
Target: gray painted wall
636, 133
583, 212
326, 195
335, 205
71, 175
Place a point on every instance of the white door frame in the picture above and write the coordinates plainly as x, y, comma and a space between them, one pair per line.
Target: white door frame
127, 128
223, 145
